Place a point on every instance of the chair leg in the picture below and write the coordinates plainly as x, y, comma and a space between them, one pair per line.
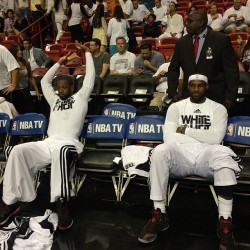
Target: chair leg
77, 182
170, 192
117, 185
125, 184
2, 168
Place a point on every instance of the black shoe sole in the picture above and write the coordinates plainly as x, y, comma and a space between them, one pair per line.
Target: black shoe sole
12, 214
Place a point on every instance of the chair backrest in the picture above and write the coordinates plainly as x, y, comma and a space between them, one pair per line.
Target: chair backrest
141, 88
115, 87
58, 47
79, 71
168, 40
121, 110
238, 130
29, 124
62, 71
244, 85
39, 71
4, 123
104, 127
76, 62
97, 86
145, 128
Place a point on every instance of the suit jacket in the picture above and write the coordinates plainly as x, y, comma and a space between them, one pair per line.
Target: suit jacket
40, 57
220, 66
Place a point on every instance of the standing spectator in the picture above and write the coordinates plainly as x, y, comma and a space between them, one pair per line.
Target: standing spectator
117, 27
9, 73
159, 10
90, 8
127, 7
23, 6
151, 29
67, 115
100, 26
20, 24
148, 61
59, 9
101, 58
38, 10
122, 63
214, 18
22, 99
193, 131
139, 14
173, 22
35, 56
9, 28
76, 12
236, 18
105, 6
209, 53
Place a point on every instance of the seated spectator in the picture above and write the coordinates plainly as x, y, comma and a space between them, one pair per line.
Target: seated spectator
35, 56
148, 61
139, 14
236, 18
21, 97
122, 63
173, 22
151, 29
9, 28
101, 58
192, 134
161, 81
8, 108
243, 52
117, 27
214, 18
159, 10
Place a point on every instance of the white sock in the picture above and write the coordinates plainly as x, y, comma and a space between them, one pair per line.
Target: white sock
161, 205
225, 207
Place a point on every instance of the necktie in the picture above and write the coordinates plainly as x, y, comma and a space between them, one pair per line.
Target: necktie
196, 45
28, 55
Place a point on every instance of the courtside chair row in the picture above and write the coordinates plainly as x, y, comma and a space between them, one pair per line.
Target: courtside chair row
105, 135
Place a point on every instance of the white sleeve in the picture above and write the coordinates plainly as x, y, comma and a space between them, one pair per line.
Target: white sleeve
209, 19
109, 30
46, 83
89, 79
8, 59
217, 130
112, 63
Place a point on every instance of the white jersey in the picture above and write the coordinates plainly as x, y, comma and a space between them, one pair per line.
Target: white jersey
122, 63
67, 116
206, 122
7, 64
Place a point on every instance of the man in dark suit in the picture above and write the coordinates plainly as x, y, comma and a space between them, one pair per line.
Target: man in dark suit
214, 58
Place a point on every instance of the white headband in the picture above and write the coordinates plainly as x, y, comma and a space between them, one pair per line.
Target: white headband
198, 77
